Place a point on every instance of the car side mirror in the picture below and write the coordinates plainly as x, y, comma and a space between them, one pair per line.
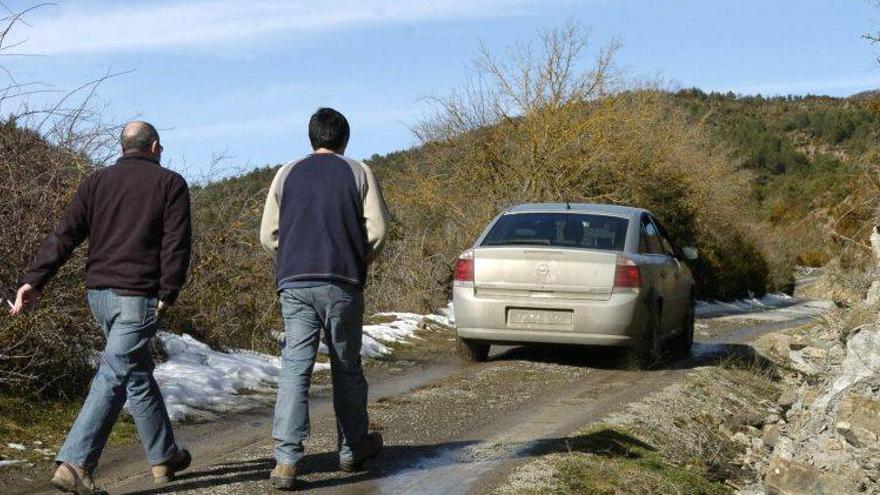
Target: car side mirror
690, 253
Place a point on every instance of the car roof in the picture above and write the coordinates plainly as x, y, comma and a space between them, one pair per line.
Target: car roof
598, 208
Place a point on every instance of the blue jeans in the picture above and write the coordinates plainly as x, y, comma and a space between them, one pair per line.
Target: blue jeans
125, 372
339, 311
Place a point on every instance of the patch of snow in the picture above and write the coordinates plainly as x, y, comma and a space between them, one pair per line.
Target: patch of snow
403, 326
10, 462
16, 446
445, 316
400, 330
197, 379
770, 301
772, 307
199, 382
370, 348
440, 320
797, 311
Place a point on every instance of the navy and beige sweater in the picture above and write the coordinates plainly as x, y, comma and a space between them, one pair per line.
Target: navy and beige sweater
324, 221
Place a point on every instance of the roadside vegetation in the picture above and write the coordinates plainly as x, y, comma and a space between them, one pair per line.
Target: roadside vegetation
810, 160
687, 438
35, 350
41, 426
606, 461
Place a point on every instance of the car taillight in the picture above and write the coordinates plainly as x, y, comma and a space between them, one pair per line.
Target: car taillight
464, 267
626, 274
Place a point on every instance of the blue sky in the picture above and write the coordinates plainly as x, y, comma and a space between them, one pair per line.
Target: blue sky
242, 77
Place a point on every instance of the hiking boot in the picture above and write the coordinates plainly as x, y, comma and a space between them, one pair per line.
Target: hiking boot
165, 473
283, 477
74, 479
367, 450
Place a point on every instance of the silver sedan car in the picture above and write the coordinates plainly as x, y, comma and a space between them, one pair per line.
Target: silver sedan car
586, 274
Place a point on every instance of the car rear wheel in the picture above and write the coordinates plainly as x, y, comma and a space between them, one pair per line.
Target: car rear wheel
648, 352
681, 344
473, 351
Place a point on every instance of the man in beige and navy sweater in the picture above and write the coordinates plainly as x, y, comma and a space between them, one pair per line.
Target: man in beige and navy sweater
324, 222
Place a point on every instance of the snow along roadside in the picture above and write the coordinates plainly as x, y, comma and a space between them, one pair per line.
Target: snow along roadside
198, 382
776, 307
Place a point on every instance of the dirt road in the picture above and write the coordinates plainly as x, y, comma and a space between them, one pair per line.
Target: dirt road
448, 428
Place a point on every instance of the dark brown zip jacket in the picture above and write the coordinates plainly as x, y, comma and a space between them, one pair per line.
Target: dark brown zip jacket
136, 216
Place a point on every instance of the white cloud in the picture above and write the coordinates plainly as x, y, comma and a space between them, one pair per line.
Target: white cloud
103, 27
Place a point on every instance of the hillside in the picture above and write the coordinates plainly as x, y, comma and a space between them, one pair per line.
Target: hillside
784, 188
805, 157
800, 149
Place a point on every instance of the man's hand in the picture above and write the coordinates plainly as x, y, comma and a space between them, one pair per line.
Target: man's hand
161, 307
26, 299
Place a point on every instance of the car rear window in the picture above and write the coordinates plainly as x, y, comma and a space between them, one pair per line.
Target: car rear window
559, 229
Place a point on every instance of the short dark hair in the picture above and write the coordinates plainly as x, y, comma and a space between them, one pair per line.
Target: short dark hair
138, 137
328, 129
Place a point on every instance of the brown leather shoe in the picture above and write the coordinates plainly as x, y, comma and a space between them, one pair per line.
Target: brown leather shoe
74, 479
368, 449
166, 472
283, 477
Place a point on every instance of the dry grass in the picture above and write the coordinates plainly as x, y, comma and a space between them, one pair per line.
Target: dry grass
46, 422
608, 460
851, 268
678, 440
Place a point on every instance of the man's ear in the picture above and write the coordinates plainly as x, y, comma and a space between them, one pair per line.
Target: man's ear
155, 148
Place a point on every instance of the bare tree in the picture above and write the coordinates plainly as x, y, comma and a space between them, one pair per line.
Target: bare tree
874, 38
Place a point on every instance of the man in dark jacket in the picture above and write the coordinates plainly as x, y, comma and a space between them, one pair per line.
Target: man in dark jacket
324, 221
136, 216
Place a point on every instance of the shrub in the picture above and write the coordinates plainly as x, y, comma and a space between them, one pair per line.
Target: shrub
230, 297
50, 350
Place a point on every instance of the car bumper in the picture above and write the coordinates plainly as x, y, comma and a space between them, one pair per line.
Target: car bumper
618, 321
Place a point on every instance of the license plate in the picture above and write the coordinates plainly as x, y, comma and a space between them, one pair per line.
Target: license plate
539, 317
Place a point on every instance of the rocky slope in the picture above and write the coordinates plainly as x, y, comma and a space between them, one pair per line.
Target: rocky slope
825, 441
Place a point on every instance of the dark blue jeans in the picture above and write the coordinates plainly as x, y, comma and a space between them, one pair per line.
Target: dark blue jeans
339, 311
125, 372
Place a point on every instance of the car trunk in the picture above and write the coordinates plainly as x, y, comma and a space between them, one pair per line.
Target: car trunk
544, 272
